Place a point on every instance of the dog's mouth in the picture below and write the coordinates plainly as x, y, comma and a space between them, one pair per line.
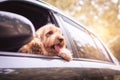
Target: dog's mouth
56, 47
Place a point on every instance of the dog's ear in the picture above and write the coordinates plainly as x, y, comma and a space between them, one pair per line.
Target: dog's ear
40, 33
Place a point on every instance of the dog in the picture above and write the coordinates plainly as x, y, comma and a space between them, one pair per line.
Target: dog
48, 41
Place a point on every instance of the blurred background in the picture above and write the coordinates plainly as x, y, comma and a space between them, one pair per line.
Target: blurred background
100, 16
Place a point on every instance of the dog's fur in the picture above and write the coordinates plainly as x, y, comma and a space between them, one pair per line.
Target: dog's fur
48, 41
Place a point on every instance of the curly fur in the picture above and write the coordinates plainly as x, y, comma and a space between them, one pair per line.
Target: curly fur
48, 41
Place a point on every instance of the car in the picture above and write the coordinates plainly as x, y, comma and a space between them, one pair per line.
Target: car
19, 19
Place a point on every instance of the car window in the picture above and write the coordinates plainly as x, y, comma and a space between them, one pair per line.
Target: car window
86, 45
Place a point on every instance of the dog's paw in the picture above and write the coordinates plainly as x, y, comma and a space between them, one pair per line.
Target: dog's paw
32, 47
24, 49
65, 54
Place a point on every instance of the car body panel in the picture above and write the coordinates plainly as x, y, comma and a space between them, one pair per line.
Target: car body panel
26, 66
13, 60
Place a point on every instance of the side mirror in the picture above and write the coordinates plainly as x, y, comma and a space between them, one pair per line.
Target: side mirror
15, 31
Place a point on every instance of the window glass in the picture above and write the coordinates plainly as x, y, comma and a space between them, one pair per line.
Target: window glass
86, 45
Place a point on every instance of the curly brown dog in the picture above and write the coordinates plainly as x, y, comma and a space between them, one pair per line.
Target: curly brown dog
48, 41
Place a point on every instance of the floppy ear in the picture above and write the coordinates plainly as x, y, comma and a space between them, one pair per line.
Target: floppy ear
40, 33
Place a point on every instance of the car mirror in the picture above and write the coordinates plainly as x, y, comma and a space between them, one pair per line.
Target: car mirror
15, 31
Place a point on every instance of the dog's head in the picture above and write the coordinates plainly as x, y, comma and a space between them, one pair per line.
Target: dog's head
51, 37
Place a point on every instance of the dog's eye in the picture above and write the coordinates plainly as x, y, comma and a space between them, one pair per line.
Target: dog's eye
50, 32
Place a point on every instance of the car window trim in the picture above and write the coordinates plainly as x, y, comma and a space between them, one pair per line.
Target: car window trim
93, 60
14, 54
34, 56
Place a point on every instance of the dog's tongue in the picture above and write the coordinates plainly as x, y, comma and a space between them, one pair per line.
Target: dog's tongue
57, 48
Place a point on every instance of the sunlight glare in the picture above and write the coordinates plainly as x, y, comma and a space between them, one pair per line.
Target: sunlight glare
114, 1
118, 16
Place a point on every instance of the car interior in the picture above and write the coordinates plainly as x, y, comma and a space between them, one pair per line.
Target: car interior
39, 16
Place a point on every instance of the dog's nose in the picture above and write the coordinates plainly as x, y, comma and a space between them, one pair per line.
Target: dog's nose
61, 39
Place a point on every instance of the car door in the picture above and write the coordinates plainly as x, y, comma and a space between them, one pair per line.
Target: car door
97, 61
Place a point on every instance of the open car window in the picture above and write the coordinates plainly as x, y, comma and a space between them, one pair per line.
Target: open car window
38, 15
85, 45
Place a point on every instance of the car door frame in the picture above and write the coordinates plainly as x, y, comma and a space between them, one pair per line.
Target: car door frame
88, 62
